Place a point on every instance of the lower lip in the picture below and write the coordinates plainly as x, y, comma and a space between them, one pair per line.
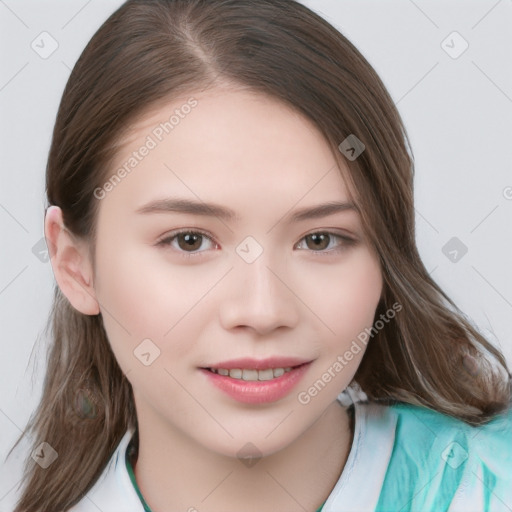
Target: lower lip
258, 392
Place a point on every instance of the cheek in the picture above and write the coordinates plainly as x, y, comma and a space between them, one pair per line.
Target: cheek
347, 305
347, 298
146, 298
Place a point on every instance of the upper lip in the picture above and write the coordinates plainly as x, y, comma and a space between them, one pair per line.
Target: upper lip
260, 364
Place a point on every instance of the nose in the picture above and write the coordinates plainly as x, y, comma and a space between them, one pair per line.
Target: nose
258, 297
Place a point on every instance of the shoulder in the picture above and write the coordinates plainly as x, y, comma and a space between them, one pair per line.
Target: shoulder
419, 429
438, 461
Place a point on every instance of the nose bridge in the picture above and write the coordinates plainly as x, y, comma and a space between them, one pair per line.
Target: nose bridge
257, 297
262, 284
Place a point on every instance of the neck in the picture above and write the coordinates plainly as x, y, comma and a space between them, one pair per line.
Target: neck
176, 473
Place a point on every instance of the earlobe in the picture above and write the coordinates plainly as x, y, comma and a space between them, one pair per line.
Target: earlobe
70, 262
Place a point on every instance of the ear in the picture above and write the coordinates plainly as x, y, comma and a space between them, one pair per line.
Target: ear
70, 262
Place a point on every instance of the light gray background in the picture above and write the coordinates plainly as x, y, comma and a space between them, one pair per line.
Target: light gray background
458, 113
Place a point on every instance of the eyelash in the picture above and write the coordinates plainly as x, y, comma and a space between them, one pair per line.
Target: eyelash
167, 240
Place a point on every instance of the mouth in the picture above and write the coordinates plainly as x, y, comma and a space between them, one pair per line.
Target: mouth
257, 382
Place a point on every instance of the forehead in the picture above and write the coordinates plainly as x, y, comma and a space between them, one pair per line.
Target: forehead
232, 146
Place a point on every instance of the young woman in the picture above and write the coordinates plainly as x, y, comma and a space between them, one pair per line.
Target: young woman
231, 229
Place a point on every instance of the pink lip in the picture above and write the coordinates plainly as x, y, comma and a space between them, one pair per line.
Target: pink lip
258, 392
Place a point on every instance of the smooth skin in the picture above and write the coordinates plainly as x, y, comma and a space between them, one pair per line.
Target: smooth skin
202, 303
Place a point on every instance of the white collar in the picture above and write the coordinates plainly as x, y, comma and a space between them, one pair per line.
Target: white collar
113, 491
361, 480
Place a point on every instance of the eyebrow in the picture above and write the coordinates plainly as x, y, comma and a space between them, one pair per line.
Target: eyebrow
177, 205
187, 206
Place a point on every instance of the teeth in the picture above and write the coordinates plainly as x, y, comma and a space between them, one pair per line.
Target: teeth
250, 374
235, 373
266, 374
278, 372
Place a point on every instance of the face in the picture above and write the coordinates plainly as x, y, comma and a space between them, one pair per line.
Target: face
216, 245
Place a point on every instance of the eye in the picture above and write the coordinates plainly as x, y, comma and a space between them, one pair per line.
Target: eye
187, 241
190, 243
324, 241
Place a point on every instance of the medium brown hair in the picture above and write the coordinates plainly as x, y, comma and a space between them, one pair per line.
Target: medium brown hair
151, 51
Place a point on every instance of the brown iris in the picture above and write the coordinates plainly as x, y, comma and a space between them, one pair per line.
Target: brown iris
189, 241
317, 241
